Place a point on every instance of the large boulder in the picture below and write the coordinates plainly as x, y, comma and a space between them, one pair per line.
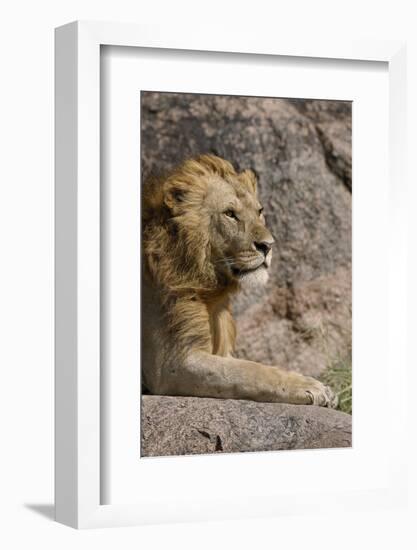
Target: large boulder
303, 327
301, 152
193, 425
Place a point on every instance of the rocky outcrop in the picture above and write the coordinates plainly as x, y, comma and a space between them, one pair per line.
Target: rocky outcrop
333, 122
192, 425
303, 327
301, 152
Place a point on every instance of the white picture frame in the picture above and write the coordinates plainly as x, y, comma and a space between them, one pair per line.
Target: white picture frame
78, 406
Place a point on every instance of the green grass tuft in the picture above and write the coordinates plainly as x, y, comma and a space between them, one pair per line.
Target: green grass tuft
339, 377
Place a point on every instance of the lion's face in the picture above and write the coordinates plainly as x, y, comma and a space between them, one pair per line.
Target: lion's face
217, 222
240, 244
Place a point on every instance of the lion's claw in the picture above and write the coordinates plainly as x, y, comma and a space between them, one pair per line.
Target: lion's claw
321, 395
310, 391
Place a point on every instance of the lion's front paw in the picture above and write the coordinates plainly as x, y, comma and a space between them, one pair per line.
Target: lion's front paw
321, 395
310, 391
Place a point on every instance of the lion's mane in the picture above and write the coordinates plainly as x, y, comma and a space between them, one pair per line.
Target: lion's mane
176, 254
176, 244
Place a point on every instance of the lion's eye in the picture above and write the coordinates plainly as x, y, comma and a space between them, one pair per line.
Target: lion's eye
260, 211
231, 214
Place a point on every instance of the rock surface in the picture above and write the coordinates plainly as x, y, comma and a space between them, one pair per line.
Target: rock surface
303, 327
301, 152
192, 425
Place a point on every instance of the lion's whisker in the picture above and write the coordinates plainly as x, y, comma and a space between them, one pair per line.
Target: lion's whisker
223, 260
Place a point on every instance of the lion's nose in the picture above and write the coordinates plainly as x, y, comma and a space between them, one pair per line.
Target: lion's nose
263, 246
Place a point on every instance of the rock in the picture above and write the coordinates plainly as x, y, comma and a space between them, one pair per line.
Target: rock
333, 121
301, 152
193, 425
302, 327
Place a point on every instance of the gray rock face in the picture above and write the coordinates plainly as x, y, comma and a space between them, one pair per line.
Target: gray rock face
302, 327
192, 425
301, 152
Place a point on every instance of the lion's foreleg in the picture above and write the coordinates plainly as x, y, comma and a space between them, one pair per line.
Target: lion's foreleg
201, 374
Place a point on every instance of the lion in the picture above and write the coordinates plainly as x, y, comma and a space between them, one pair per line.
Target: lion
204, 237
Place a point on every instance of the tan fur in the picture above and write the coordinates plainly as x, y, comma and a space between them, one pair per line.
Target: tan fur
204, 237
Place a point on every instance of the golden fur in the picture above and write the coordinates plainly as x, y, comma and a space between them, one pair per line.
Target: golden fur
204, 236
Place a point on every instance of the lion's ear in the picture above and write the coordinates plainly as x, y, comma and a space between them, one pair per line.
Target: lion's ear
174, 194
250, 180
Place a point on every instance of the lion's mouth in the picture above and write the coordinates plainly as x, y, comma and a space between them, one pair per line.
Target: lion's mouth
241, 271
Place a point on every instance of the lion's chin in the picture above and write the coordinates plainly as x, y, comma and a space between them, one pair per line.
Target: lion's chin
257, 277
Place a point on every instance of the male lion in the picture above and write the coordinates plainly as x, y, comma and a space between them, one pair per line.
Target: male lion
204, 237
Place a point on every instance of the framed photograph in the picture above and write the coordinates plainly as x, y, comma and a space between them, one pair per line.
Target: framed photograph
229, 325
